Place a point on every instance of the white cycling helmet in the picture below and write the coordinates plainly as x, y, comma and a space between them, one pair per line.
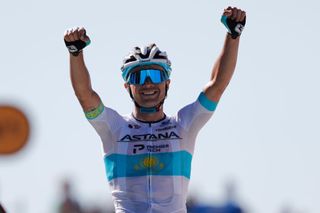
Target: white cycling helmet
147, 55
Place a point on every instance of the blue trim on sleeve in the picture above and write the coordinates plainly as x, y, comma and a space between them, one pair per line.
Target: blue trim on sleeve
206, 103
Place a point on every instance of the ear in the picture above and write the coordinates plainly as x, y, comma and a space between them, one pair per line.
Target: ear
168, 83
127, 86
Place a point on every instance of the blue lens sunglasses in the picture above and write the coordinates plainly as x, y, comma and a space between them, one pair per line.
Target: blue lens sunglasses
140, 77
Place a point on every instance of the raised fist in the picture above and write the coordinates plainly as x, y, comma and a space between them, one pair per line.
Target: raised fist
234, 20
76, 39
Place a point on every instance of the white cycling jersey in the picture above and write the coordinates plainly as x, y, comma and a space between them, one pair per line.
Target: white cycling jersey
148, 164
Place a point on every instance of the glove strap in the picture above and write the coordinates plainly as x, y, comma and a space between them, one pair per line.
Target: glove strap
75, 47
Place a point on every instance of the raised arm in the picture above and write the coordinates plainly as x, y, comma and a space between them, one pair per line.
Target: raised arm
224, 67
76, 39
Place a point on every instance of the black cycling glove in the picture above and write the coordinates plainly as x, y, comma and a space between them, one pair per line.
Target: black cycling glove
234, 28
75, 47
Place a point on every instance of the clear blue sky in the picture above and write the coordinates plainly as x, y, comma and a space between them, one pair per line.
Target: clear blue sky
264, 134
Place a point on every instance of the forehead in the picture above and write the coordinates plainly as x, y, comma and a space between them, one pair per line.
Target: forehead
146, 67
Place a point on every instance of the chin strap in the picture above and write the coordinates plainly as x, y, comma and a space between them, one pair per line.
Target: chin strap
153, 109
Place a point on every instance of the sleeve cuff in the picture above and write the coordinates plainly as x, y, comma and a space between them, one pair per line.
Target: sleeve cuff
95, 112
206, 103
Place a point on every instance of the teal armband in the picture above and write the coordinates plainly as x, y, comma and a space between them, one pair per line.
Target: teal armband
95, 112
206, 103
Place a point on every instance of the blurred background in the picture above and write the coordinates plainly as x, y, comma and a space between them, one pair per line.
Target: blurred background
259, 152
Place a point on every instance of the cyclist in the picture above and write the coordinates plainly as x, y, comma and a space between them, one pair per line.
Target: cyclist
148, 154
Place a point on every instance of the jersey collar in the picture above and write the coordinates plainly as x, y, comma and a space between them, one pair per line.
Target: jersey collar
150, 123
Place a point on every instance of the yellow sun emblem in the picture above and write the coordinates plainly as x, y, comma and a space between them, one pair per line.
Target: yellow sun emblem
149, 162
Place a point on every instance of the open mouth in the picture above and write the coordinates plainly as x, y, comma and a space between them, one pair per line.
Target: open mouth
149, 92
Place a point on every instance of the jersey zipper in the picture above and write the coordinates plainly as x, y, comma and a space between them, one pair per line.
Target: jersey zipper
149, 173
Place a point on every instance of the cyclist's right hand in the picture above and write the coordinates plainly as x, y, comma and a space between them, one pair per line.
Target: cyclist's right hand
76, 40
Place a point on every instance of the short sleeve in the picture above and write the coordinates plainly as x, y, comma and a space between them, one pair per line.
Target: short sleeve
195, 115
105, 124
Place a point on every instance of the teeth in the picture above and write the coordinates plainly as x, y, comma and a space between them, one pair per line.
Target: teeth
149, 92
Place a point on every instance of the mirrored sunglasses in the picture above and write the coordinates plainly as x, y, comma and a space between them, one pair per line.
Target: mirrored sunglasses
140, 77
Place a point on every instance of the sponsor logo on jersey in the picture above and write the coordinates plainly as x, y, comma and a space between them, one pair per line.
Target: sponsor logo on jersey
138, 147
134, 126
166, 128
164, 123
150, 137
150, 148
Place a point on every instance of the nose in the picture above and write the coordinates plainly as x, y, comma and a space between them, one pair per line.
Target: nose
148, 81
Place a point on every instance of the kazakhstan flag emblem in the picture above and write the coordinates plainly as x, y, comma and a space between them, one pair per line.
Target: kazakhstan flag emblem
149, 162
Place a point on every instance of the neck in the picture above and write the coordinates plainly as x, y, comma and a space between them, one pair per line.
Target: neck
148, 117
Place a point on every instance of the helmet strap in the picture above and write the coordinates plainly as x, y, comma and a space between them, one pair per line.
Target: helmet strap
153, 109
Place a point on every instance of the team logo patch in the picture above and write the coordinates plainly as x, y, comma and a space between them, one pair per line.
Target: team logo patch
134, 126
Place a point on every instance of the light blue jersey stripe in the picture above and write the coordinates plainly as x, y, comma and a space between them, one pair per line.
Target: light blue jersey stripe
206, 103
160, 164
